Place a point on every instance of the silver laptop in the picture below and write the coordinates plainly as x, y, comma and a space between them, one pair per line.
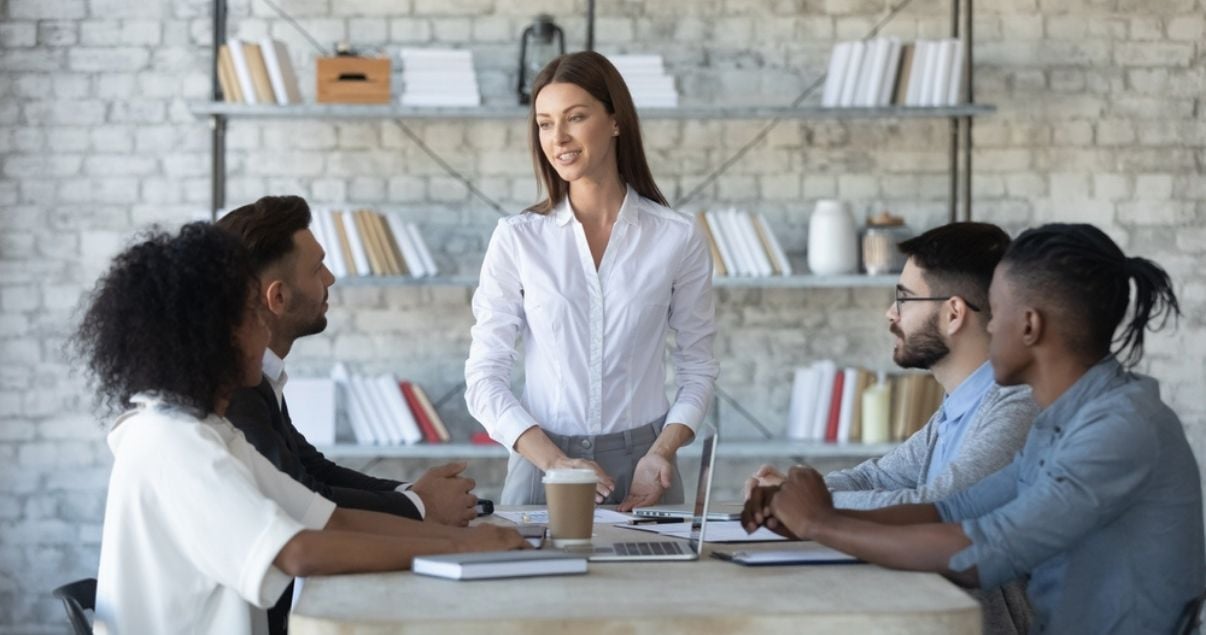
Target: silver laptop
666, 549
718, 511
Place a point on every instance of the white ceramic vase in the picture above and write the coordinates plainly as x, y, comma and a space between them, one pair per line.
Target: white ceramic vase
832, 239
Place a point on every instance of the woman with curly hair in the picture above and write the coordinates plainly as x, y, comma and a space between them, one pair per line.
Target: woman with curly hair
201, 530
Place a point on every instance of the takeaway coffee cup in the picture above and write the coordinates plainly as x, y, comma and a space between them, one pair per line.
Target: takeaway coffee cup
571, 498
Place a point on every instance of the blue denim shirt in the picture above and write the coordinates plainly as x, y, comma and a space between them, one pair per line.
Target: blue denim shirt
1102, 508
957, 409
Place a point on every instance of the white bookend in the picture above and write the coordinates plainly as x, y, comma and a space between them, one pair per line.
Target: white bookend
921, 50
892, 71
334, 259
803, 404
849, 394
954, 95
876, 67
853, 72
833, 79
761, 258
359, 254
400, 416
745, 260
410, 253
424, 252
242, 70
722, 242
942, 74
312, 408
776, 249
353, 408
499, 564
820, 422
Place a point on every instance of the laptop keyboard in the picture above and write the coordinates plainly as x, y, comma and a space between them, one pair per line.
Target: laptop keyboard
648, 548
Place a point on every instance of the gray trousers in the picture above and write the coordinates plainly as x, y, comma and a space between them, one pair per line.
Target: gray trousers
617, 453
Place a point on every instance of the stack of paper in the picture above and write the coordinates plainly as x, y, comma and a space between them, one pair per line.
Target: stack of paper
439, 77
647, 80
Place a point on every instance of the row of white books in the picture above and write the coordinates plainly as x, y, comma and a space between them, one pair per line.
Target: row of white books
884, 71
383, 410
257, 73
367, 243
742, 244
648, 82
439, 77
852, 405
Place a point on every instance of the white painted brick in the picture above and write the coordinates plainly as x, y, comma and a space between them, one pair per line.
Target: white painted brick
1153, 186
404, 189
41, 166
18, 34
46, 9
328, 190
451, 30
785, 186
1156, 212
72, 85
410, 30
1187, 28
1115, 132
857, 186
20, 351
117, 165
107, 60
37, 59
367, 189
1111, 186
1147, 28
447, 189
1153, 54
1022, 27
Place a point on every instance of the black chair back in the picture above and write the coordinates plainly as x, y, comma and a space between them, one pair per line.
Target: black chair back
78, 597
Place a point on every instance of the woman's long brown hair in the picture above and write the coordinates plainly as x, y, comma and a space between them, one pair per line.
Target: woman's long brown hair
593, 73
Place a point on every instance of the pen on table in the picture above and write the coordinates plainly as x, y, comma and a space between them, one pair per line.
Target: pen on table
654, 520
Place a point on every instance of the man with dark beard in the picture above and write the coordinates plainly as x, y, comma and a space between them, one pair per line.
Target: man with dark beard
940, 320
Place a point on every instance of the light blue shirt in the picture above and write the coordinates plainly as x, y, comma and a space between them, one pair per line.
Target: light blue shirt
1102, 508
956, 410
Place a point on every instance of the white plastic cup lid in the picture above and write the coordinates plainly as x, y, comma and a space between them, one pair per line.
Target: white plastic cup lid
574, 476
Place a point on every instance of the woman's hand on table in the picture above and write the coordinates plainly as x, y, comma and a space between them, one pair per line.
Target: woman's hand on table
652, 477
603, 487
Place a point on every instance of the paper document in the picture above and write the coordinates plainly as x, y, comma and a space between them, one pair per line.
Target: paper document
719, 531
541, 517
800, 553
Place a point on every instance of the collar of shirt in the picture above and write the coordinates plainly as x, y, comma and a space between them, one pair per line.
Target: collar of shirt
968, 393
1097, 380
274, 370
628, 209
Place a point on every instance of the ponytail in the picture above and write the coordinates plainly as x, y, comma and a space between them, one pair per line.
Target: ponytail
1081, 269
1155, 303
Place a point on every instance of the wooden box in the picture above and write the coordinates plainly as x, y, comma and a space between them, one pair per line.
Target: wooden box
352, 80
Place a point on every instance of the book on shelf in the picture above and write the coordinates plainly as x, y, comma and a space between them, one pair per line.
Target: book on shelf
383, 410
499, 564
280, 72
827, 403
886, 71
439, 77
742, 244
257, 73
368, 243
647, 80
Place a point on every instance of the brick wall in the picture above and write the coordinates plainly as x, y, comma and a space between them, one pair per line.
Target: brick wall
1101, 119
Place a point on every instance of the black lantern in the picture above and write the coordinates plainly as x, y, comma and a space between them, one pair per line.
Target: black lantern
540, 51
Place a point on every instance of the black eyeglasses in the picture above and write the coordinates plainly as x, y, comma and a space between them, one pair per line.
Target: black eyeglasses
940, 298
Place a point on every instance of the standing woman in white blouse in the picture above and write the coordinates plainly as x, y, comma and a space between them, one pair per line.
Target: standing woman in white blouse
592, 277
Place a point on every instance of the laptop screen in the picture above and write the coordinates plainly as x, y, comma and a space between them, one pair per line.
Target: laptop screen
703, 492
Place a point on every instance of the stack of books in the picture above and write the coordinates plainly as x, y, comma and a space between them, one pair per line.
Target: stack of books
827, 403
257, 73
742, 244
647, 80
382, 410
439, 77
368, 243
884, 72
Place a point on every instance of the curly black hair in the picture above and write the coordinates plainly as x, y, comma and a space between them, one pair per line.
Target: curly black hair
164, 317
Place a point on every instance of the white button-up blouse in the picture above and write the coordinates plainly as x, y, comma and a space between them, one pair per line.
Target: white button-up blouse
594, 342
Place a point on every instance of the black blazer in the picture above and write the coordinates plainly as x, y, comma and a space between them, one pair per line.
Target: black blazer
255, 412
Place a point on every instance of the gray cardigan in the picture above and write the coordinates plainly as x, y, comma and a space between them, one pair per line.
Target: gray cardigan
996, 431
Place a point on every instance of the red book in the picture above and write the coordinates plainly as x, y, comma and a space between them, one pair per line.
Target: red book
835, 408
429, 432
482, 438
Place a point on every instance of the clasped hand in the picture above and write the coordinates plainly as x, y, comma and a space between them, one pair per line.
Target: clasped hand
792, 508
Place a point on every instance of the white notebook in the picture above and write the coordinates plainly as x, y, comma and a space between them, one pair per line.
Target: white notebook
499, 564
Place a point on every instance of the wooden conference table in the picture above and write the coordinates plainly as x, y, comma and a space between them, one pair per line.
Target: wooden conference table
696, 598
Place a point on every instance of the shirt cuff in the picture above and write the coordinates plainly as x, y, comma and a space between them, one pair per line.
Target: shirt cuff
511, 425
685, 414
405, 490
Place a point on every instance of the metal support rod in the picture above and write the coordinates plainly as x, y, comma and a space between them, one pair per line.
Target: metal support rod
967, 121
953, 170
590, 25
217, 123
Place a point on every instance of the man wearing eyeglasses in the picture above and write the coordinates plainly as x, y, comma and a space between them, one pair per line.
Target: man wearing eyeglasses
939, 319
